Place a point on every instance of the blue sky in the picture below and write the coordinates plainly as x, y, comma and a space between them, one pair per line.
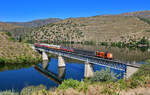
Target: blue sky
27, 10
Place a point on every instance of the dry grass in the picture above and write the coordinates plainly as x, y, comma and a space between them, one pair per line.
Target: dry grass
11, 50
7, 27
94, 89
98, 29
137, 91
113, 28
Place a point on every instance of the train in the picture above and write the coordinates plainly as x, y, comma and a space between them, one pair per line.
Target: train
57, 47
106, 55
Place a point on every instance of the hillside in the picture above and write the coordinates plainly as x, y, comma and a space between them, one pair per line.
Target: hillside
145, 14
36, 23
15, 31
63, 31
7, 27
14, 52
19, 29
110, 28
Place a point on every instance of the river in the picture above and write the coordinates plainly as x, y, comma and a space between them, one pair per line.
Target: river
17, 76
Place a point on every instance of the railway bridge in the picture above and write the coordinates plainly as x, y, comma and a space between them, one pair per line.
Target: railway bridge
127, 68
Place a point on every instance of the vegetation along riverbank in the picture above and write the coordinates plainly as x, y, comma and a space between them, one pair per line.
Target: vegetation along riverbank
103, 83
14, 52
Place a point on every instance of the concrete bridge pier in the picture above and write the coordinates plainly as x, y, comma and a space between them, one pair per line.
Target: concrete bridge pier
61, 61
130, 71
88, 70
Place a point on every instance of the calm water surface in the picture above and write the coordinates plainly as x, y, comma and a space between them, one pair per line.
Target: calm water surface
16, 76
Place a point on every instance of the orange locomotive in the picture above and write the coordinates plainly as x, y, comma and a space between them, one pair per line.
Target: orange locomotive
104, 55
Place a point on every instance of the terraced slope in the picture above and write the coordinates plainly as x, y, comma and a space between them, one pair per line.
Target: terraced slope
7, 27
110, 28
14, 52
145, 14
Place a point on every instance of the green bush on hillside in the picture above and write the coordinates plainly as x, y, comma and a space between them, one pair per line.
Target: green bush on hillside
89, 43
104, 43
103, 76
8, 34
141, 77
70, 83
144, 41
143, 71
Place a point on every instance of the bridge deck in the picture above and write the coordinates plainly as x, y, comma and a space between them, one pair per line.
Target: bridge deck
91, 59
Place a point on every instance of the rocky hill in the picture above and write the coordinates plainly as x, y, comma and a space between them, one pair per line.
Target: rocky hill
63, 31
14, 52
107, 28
36, 23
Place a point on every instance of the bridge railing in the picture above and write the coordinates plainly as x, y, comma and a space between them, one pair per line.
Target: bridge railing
86, 58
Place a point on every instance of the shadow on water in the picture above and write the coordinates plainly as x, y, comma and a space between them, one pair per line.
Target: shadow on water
52, 76
72, 70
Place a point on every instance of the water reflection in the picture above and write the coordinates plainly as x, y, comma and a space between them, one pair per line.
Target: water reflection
18, 76
129, 55
52, 76
45, 64
61, 72
57, 78
4, 67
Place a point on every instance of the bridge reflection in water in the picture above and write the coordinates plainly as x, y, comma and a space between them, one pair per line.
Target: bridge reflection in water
57, 78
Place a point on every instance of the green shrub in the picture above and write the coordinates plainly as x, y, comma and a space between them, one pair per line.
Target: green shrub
8, 34
144, 70
103, 76
108, 91
123, 84
144, 41
140, 77
89, 43
83, 86
104, 43
70, 84
113, 44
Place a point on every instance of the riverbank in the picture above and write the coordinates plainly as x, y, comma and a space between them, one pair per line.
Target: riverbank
131, 43
137, 84
12, 52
